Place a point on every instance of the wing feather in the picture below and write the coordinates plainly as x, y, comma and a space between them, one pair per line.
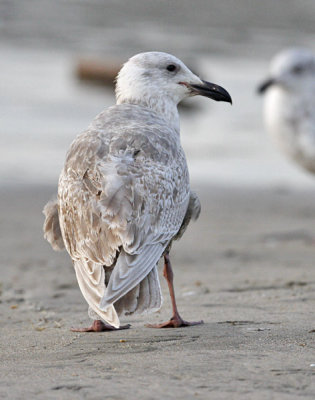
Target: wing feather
52, 232
129, 271
91, 279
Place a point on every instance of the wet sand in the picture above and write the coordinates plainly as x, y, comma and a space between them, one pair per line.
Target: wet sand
246, 268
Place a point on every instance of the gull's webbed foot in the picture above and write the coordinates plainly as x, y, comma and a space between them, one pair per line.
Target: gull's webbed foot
175, 322
100, 326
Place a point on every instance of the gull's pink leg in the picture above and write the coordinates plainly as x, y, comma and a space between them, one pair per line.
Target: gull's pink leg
176, 321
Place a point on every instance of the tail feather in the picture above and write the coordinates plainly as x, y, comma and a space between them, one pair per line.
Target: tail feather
145, 297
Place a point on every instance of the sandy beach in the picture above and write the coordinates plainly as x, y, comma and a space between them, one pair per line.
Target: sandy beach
246, 268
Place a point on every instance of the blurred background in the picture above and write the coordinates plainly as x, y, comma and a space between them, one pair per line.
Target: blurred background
46, 97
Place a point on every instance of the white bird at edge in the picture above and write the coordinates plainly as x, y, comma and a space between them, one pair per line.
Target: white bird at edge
124, 192
289, 105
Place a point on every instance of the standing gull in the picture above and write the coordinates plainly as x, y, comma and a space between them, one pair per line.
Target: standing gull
124, 192
289, 108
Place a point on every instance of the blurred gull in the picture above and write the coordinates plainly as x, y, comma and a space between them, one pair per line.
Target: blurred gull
124, 192
289, 108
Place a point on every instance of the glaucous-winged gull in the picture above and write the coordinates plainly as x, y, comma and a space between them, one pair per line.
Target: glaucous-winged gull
124, 192
289, 105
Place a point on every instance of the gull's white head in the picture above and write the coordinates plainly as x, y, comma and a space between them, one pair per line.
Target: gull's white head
160, 81
293, 70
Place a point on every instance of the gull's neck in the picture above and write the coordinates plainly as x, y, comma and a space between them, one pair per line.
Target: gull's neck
162, 105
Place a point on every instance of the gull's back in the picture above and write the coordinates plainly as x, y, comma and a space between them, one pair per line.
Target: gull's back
123, 194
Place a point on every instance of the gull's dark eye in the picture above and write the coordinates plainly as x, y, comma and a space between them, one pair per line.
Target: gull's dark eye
297, 69
171, 67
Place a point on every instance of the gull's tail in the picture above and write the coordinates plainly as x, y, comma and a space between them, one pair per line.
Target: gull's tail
145, 297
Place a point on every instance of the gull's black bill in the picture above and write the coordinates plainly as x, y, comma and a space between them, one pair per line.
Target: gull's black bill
265, 85
211, 90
